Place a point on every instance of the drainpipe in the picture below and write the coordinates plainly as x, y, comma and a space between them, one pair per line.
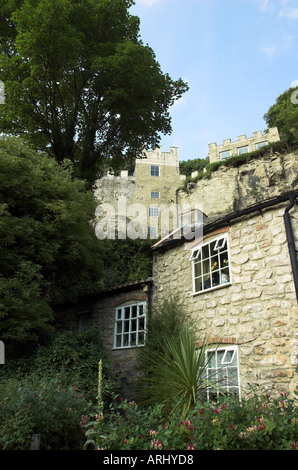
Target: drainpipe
291, 243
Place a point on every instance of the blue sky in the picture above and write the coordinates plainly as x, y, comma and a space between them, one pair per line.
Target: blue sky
237, 56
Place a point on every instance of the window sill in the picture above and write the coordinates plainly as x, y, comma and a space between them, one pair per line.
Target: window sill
128, 347
227, 284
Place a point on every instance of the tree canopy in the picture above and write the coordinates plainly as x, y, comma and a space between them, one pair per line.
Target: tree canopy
284, 115
80, 84
48, 248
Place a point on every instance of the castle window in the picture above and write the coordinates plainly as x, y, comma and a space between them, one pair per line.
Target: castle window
130, 324
152, 232
154, 170
259, 145
211, 268
223, 370
225, 155
153, 212
154, 194
242, 150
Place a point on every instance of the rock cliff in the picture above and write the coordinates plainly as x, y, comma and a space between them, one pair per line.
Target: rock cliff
233, 188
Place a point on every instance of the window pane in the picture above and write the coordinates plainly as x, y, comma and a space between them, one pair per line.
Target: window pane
141, 338
118, 341
198, 284
242, 150
214, 267
133, 325
134, 311
198, 269
224, 362
133, 339
154, 170
127, 312
125, 340
130, 324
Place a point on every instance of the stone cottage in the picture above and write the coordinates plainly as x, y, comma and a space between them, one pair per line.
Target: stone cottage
237, 279
121, 314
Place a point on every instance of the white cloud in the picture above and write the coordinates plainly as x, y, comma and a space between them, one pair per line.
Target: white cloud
280, 47
290, 13
283, 8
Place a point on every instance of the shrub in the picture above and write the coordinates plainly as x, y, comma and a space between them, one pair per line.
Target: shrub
258, 423
43, 408
69, 356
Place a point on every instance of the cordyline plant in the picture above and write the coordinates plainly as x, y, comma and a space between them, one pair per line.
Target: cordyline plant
177, 373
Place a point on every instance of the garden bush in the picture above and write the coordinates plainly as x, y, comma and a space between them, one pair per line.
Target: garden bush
257, 423
50, 391
43, 408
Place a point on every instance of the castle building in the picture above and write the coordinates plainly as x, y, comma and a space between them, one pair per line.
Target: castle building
242, 145
147, 200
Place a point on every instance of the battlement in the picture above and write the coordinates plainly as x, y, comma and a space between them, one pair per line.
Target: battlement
242, 145
152, 157
158, 157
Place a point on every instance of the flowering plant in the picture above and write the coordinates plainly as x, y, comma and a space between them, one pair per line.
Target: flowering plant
257, 423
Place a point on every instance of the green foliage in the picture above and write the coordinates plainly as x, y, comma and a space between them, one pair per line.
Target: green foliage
188, 166
284, 115
51, 391
48, 247
125, 260
168, 318
257, 423
284, 146
69, 356
173, 370
45, 408
80, 83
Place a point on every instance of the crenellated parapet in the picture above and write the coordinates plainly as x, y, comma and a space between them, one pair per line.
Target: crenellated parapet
243, 145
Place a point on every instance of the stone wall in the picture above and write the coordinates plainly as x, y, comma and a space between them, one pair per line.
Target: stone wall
137, 189
247, 144
124, 361
99, 310
230, 189
258, 311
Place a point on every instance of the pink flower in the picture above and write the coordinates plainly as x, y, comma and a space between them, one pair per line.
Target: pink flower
191, 447
188, 424
232, 426
121, 399
293, 445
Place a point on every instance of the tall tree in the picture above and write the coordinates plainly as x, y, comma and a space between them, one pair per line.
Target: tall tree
284, 115
48, 248
80, 83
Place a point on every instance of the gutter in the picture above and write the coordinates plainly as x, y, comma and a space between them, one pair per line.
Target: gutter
171, 240
291, 242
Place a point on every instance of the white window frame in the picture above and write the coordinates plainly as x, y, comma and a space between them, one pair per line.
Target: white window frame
130, 326
259, 145
155, 195
154, 170
153, 212
211, 276
225, 154
243, 150
213, 373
